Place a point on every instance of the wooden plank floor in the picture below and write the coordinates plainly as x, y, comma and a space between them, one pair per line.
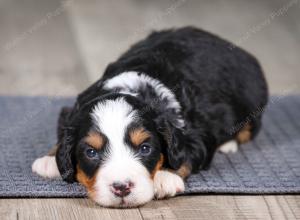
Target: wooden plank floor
183, 207
56, 48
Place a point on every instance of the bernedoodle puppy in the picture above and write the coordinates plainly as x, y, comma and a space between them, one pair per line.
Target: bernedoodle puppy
158, 114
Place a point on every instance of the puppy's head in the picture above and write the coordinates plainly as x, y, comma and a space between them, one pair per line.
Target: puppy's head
114, 146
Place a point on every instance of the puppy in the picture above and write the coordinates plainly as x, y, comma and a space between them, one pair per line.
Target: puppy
158, 114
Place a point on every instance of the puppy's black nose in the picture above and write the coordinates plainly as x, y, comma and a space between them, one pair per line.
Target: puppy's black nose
122, 189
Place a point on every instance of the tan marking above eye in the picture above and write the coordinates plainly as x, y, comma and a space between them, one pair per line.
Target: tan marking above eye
95, 140
138, 136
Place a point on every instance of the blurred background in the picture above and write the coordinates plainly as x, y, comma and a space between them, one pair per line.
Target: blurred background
58, 48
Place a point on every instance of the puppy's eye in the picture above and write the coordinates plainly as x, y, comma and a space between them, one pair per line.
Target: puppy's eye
145, 149
91, 153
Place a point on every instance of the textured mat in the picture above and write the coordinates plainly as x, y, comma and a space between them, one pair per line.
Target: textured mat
270, 164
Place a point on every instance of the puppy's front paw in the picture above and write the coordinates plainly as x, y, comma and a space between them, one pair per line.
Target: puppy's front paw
167, 184
46, 167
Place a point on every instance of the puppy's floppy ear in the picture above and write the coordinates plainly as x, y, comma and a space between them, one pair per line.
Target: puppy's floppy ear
63, 119
183, 147
174, 138
65, 153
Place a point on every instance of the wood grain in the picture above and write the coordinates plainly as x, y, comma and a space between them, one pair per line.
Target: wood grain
183, 207
222, 207
61, 209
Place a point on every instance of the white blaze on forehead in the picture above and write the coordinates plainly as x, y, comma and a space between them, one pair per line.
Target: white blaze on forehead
112, 118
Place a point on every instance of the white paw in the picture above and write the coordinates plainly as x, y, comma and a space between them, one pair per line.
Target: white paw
229, 147
167, 184
46, 167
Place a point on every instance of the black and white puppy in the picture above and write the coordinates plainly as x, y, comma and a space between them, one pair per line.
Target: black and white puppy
157, 115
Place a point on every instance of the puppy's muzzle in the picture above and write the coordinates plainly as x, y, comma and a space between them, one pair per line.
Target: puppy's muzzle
122, 189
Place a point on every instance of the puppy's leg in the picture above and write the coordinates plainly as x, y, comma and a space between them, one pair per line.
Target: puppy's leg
244, 134
168, 182
229, 147
46, 166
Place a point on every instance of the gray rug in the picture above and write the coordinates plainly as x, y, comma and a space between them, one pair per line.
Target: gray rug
270, 164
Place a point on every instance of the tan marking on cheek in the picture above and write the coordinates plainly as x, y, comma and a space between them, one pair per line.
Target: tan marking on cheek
244, 135
86, 181
138, 136
95, 140
158, 165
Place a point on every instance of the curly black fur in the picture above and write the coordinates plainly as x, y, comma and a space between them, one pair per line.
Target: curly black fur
218, 87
